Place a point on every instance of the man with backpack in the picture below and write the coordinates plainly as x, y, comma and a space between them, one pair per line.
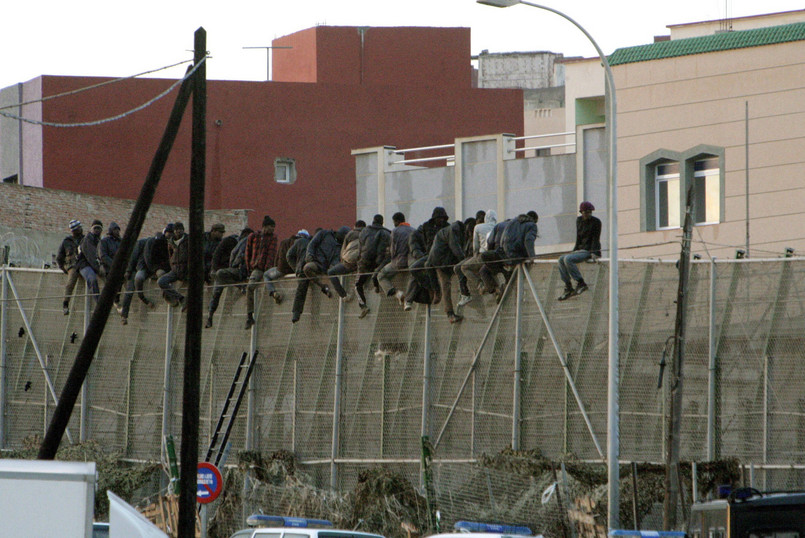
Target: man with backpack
235, 273
348, 259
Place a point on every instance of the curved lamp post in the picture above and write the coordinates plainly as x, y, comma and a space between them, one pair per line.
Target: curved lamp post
613, 436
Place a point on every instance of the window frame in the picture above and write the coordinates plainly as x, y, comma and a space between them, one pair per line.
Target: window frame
289, 165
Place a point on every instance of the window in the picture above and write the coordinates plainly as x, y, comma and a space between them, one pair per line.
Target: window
284, 170
667, 195
666, 176
706, 187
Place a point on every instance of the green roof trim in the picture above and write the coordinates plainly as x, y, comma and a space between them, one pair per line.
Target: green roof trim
711, 43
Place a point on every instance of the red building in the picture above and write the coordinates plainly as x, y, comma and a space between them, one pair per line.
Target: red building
337, 89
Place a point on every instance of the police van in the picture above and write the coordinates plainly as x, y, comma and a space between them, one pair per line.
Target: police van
748, 513
263, 526
473, 529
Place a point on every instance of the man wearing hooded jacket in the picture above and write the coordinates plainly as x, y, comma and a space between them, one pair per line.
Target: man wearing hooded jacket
419, 245
446, 252
88, 258
67, 260
470, 267
374, 241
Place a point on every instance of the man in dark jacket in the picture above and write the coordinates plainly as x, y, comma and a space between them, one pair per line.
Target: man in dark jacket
67, 260
446, 252
234, 271
398, 253
322, 253
374, 242
419, 245
88, 258
211, 241
178, 264
296, 259
280, 266
107, 248
137, 254
519, 237
348, 258
588, 245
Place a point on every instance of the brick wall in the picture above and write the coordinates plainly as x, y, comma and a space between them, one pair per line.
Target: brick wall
33, 220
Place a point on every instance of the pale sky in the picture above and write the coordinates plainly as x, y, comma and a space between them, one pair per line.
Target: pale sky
116, 39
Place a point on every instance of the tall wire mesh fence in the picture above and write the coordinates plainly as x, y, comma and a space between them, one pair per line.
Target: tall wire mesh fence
344, 393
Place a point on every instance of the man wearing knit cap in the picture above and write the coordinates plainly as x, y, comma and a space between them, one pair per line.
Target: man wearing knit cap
67, 260
588, 245
261, 252
179, 257
88, 258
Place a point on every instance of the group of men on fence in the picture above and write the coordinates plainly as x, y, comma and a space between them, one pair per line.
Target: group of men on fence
478, 250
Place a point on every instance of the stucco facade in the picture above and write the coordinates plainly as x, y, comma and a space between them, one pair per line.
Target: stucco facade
731, 104
312, 123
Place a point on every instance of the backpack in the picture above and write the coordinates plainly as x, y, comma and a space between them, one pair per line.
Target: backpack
351, 252
238, 254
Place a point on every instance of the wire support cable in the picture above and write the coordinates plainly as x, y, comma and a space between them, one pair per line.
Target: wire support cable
112, 118
93, 86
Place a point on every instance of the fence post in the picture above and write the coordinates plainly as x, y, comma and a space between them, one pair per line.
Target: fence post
3, 354
82, 433
516, 411
766, 368
166, 381
250, 394
339, 353
711, 368
426, 373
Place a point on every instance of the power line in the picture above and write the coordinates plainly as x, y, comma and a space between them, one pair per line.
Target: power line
112, 118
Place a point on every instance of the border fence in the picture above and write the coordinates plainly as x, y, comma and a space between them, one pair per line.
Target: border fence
345, 393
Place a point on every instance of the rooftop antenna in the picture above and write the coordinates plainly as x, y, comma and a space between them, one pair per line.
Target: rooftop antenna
726, 22
268, 57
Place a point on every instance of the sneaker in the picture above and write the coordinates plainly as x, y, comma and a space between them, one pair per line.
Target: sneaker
277, 296
326, 291
581, 288
568, 293
208, 323
249, 322
124, 321
364, 311
391, 293
400, 296
119, 309
65, 310
407, 306
378, 290
454, 318
295, 318
349, 297
463, 300
150, 304
498, 295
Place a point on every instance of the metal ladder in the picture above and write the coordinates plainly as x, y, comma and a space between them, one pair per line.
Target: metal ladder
233, 401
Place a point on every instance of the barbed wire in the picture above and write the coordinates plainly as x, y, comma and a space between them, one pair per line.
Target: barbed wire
92, 87
112, 118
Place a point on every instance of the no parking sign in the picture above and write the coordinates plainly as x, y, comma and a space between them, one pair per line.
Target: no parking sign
209, 483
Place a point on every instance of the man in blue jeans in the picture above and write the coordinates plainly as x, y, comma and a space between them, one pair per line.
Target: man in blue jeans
588, 244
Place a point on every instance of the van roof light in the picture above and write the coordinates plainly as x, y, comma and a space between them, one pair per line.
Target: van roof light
474, 526
262, 520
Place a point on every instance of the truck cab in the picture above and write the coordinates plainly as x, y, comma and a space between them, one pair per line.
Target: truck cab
748, 513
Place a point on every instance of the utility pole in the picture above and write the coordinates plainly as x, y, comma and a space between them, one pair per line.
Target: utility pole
672, 485
195, 295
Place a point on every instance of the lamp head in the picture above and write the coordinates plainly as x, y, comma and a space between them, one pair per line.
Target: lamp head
499, 3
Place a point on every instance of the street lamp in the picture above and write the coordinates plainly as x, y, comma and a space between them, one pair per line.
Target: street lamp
613, 436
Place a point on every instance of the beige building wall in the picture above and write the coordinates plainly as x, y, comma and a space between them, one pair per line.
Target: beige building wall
678, 103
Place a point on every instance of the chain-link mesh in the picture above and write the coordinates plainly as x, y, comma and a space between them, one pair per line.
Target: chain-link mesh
392, 376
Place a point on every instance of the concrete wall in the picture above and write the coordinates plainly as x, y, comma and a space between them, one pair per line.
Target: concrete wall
33, 221
525, 70
486, 175
10, 132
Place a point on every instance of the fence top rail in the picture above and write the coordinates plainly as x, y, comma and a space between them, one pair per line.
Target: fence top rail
424, 148
529, 137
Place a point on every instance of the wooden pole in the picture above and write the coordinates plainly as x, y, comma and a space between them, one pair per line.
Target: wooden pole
195, 296
675, 420
83, 360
